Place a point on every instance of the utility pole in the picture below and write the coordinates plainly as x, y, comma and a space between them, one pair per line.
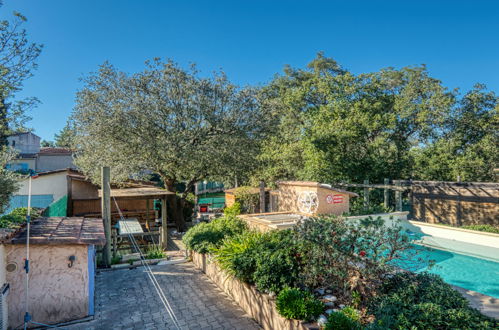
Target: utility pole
106, 212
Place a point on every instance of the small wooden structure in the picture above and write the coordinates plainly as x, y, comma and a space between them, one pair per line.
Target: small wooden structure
136, 202
147, 194
62, 269
309, 197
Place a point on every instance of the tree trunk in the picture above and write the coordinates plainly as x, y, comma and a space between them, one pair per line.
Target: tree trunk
175, 205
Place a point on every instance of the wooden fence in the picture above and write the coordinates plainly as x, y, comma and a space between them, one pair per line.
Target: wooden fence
455, 203
450, 203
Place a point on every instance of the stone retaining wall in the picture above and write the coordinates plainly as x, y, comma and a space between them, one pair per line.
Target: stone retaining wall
259, 306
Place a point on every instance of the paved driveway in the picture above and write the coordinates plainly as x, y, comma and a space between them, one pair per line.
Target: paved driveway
126, 299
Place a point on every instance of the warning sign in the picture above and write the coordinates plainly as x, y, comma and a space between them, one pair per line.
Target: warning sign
329, 199
337, 199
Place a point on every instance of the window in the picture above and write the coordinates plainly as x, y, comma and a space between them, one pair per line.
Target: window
13, 143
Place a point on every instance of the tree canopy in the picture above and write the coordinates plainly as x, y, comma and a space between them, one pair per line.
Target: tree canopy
338, 126
165, 120
17, 62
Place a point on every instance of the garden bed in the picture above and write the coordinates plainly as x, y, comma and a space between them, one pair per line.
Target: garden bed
259, 306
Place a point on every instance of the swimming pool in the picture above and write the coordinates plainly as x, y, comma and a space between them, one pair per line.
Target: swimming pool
468, 272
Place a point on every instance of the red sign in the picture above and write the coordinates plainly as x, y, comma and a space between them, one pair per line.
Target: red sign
337, 199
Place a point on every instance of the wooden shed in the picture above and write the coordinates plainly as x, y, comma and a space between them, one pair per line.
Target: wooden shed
309, 197
62, 269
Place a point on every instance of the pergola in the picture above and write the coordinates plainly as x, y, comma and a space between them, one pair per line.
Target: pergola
145, 193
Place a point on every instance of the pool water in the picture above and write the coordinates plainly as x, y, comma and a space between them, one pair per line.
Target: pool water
468, 272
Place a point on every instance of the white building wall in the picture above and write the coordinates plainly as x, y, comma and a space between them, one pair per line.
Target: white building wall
53, 184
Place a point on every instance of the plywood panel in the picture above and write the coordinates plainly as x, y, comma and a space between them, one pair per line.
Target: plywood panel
57, 293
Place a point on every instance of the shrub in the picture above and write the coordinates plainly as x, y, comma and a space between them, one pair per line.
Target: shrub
233, 210
350, 255
296, 304
237, 254
486, 228
343, 320
22, 211
424, 301
277, 260
18, 217
155, 252
205, 236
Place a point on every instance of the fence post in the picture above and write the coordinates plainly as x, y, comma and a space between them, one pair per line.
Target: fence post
106, 212
164, 223
262, 197
366, 195
386, 194
398, 196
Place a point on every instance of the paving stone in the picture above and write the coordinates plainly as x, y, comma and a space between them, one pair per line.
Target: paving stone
126, 299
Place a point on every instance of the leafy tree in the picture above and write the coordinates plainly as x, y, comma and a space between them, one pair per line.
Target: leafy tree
46, 143
17, 61
337, 126
165, 120
65, 138
470, 146
8, 179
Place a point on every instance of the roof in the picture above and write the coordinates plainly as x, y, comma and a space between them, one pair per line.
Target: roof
63, 230
23, 133
316, 185
138, 193
54, 151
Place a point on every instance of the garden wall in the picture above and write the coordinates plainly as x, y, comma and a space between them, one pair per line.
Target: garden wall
259, 306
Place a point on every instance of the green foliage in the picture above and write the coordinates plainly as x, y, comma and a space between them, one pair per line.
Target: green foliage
8, 179
155, 252
205, 236
297, 304
237, 254
233, 211
116, 259
424, 301
247, 198
66, 137
277, 262
333, 125
469, 147
349, 255
485, 228
167, 119
18, 217
346, 319
357, 207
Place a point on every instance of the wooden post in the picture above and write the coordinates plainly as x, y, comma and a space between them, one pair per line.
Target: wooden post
115, 242
147, 214
106, 212
398, 197
366, 195
262, 197
164, 227
386, 194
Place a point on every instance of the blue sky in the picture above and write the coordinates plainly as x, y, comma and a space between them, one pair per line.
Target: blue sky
253, 40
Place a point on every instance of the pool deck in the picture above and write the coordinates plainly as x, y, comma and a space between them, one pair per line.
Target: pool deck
487, 305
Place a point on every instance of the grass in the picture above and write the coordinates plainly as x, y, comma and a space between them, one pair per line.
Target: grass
485, 228
155, 252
